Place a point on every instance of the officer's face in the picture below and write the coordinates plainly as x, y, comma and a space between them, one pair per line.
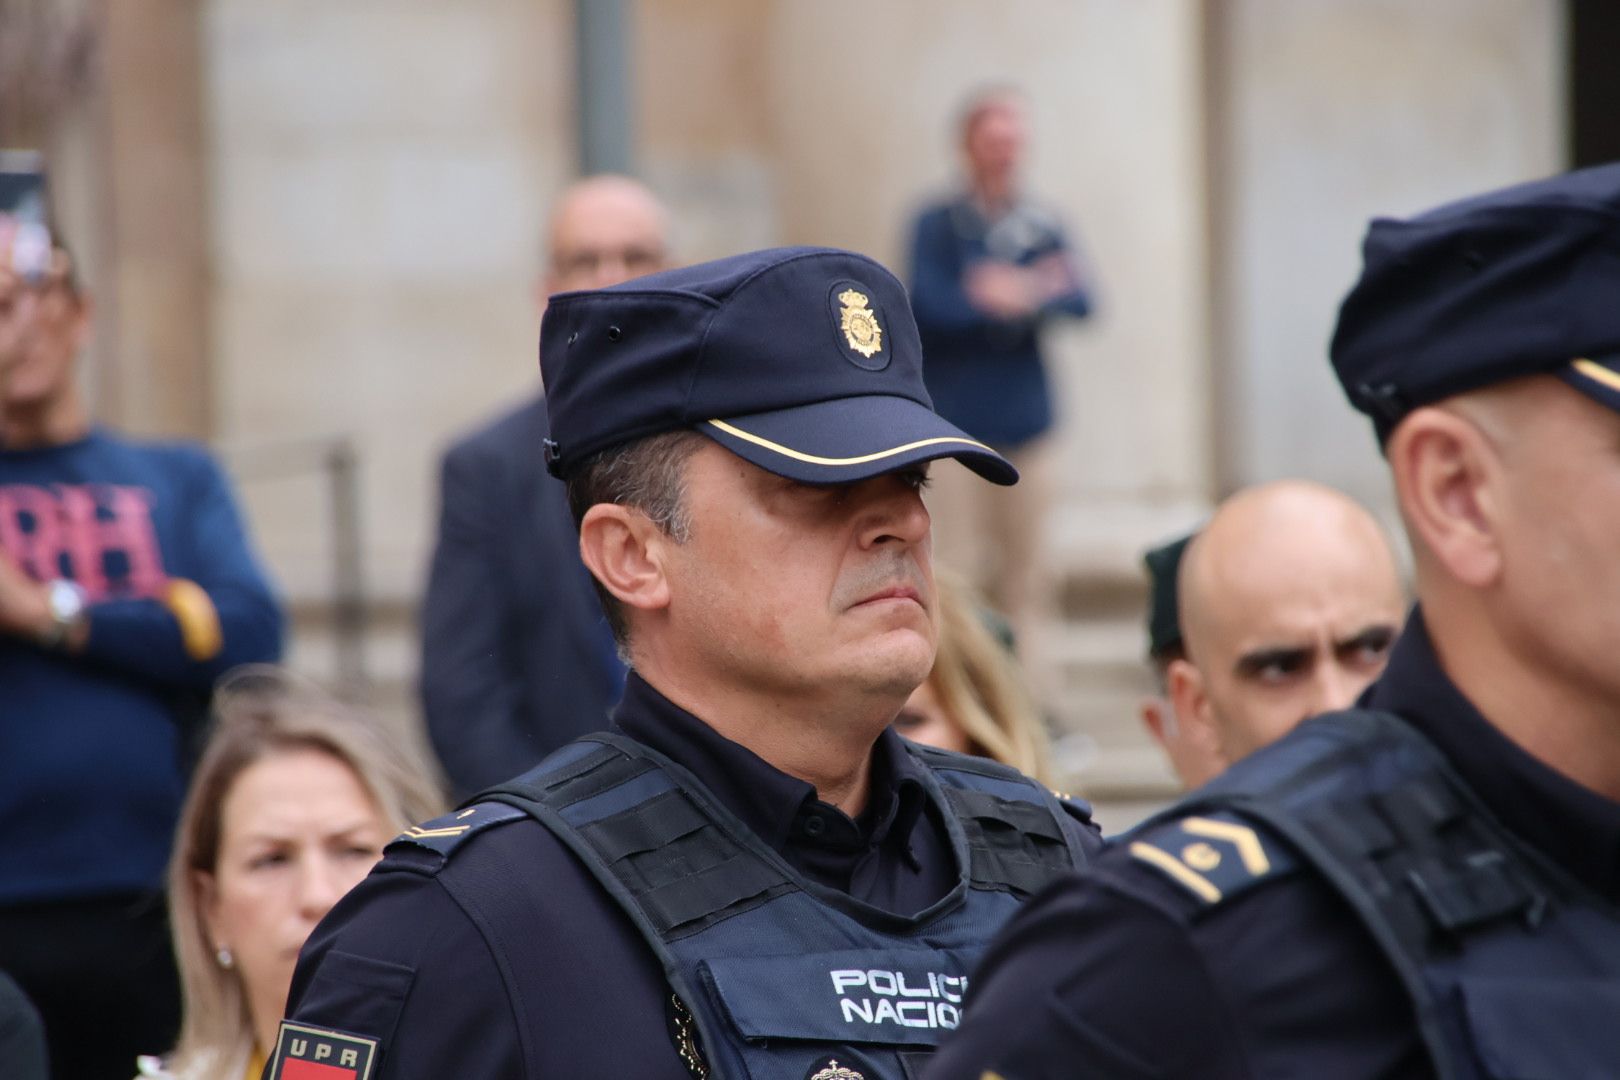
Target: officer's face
1554, 503
297, 831
1288, 635
816, 592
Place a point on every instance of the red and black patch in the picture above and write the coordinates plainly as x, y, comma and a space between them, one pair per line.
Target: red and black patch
312, 1053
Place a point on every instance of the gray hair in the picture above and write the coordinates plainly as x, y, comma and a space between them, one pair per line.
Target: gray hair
649, 476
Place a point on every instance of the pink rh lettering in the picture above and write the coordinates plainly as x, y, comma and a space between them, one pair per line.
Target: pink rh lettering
68, 521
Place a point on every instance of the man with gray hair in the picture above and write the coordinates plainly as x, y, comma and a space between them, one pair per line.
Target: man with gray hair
516, 659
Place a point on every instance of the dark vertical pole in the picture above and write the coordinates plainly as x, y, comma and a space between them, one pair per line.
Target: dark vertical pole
1594, 82
1225, 403
602, 85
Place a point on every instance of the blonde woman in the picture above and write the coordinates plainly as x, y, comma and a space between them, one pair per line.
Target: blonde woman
290, 806
974, 700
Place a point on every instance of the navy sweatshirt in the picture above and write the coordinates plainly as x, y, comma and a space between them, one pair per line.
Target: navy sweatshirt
92, 745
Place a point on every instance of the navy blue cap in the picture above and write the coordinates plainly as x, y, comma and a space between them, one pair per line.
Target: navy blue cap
1164, 573
1516, 282
804, 361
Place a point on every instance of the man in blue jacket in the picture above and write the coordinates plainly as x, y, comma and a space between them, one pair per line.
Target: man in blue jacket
989, 268
126, 587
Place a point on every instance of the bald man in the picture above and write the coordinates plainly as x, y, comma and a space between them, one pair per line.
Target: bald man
517, 658
1289, 600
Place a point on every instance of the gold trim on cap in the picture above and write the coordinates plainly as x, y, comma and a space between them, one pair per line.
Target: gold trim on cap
1597, 373
812, 459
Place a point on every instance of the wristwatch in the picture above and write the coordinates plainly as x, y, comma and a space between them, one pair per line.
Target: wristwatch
66, 601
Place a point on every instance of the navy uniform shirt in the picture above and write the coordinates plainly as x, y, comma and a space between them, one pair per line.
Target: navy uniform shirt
512, 961
1121, 973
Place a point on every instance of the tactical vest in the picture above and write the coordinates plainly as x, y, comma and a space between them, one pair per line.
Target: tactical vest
1512, 965
781, 976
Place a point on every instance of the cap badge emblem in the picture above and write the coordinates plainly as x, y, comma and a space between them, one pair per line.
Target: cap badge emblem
860, 323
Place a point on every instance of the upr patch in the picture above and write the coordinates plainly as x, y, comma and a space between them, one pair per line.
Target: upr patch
312, 1053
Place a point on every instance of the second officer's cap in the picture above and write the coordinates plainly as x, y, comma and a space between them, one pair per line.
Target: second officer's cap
1515, 282
803, 361
1163, 565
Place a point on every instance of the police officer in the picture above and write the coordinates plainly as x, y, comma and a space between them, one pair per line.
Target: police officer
1424, 885
750, 875
1190, 751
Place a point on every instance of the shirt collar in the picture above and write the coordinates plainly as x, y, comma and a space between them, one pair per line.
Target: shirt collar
778, 808
1575, 826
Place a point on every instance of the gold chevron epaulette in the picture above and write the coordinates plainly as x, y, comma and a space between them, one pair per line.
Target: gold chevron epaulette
444, 834
1214, 856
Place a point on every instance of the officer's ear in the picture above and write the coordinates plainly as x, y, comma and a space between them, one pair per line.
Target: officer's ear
1189, 698
1160, 720
624, 550
1447, 474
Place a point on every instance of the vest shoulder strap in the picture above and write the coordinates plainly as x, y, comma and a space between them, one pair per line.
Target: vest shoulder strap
1375, 809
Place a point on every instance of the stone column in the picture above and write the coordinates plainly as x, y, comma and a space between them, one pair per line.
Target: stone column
155, 377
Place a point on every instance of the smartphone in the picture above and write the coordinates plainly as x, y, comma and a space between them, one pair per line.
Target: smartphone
25, 236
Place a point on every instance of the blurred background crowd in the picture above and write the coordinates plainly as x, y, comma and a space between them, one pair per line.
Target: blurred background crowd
318, 238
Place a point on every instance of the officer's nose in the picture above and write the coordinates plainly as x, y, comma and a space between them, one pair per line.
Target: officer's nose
894, 512
1335, 688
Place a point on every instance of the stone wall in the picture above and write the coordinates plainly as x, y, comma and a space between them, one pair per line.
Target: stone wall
1331, 113
379, 172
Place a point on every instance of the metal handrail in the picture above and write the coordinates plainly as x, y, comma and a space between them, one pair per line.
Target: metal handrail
337, 458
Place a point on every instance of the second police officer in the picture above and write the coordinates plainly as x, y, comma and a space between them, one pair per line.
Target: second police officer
751, 875
1426, 885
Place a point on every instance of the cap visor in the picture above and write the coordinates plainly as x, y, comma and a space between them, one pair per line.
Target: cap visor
849, 439
1597, 378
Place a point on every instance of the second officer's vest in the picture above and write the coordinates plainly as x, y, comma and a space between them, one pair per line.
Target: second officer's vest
1512, 965
783, 977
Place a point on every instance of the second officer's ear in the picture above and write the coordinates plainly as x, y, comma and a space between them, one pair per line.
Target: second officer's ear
1447, 477
1189, 700
624, 550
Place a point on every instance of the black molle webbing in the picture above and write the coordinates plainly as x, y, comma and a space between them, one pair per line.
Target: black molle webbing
683, 871
593, 774
1479, 890
1011, 844
1435, 870
658, 822
1355, 828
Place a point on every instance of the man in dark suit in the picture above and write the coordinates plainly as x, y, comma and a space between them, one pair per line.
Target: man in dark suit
516, 657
